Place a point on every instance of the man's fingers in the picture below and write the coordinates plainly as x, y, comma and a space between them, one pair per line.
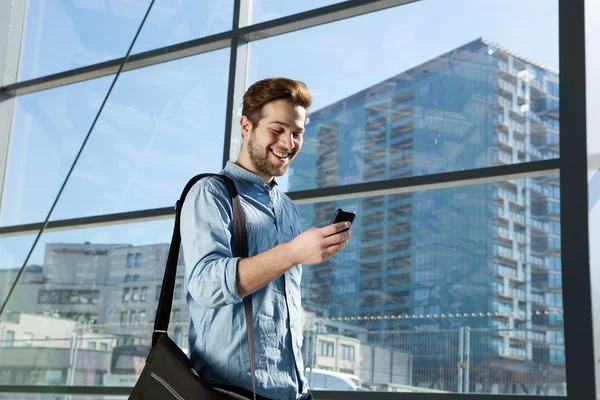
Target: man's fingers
335, 228
337, 238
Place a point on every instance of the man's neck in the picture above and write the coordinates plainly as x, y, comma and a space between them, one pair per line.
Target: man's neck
247, 165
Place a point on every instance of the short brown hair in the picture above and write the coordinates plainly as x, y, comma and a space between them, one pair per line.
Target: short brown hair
270, 89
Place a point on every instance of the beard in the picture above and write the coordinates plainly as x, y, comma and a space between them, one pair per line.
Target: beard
260, 158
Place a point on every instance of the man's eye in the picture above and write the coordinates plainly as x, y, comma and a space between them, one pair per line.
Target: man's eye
276, 132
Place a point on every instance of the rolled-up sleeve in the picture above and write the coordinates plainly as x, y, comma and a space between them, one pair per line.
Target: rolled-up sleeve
211, 269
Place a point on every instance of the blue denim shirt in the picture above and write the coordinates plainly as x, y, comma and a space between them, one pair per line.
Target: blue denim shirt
218, 339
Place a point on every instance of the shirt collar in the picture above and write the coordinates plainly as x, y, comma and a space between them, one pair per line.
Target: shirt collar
235, 170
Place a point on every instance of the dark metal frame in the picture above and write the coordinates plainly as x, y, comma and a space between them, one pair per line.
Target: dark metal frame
392, 186
576, 280
572, 167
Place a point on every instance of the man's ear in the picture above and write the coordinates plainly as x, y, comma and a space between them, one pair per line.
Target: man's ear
246, 125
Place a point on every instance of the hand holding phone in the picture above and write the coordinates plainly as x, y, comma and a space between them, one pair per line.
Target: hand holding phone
343, 216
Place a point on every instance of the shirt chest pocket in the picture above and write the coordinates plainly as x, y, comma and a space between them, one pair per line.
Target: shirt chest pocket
261, 232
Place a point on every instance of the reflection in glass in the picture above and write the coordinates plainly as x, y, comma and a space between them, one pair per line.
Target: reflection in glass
13, 251
266, 10
386, 105
75, 302
466, 277
463, 284
161, 126
473, 107
72, 34
47, 131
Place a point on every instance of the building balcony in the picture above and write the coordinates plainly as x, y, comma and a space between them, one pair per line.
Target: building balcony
512, 273
536, 261
537, 299
510, 292
508, 195
516, 217
505, 158
524, 335
509, 123
505, 233
501, 308
510, 352
505, 68
507, 87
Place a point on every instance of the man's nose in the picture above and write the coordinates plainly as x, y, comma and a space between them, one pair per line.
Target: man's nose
288, 140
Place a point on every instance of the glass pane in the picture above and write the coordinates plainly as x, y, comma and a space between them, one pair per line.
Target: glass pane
13, 251
453, 290
80, 299
394, 98
266, 10
47, 131
171, 22
162, 125
592, 78
78, 33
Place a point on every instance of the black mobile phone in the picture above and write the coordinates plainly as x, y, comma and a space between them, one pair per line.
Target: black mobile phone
343, 216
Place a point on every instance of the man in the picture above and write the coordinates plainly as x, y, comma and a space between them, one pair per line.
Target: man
273, 117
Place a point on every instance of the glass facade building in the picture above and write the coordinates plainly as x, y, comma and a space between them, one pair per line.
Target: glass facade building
483, 257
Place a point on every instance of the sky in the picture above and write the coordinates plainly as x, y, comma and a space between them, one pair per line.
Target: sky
165, 123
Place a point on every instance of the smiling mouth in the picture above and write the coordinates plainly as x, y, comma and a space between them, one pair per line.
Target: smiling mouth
282, 156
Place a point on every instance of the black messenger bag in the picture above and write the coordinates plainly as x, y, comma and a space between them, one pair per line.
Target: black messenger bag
168, 373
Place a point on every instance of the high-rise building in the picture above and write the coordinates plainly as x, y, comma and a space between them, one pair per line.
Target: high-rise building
481, 259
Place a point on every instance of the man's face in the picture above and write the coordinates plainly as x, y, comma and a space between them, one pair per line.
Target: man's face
273, 144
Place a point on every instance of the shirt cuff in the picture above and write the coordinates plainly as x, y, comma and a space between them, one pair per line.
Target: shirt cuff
231, 280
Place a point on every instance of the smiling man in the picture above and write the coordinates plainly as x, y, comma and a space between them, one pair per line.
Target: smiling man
273, 117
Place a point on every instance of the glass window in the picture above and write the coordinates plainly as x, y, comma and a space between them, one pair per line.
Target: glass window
9, 338
56, 121
326, 348
266, 10
65, 35
158, 129
13, 251
103, 346
138, 260
415, 107
178, 291
158, 290
92, 346
136, 278
347, 352
123, 317
135, 294
127, 278
144, 293
126, 294
466, 282
143, 317
133, 318
129, 261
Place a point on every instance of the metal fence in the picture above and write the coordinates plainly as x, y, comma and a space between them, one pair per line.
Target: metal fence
463, 360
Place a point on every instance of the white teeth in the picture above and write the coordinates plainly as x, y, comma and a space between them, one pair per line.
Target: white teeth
280, 155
